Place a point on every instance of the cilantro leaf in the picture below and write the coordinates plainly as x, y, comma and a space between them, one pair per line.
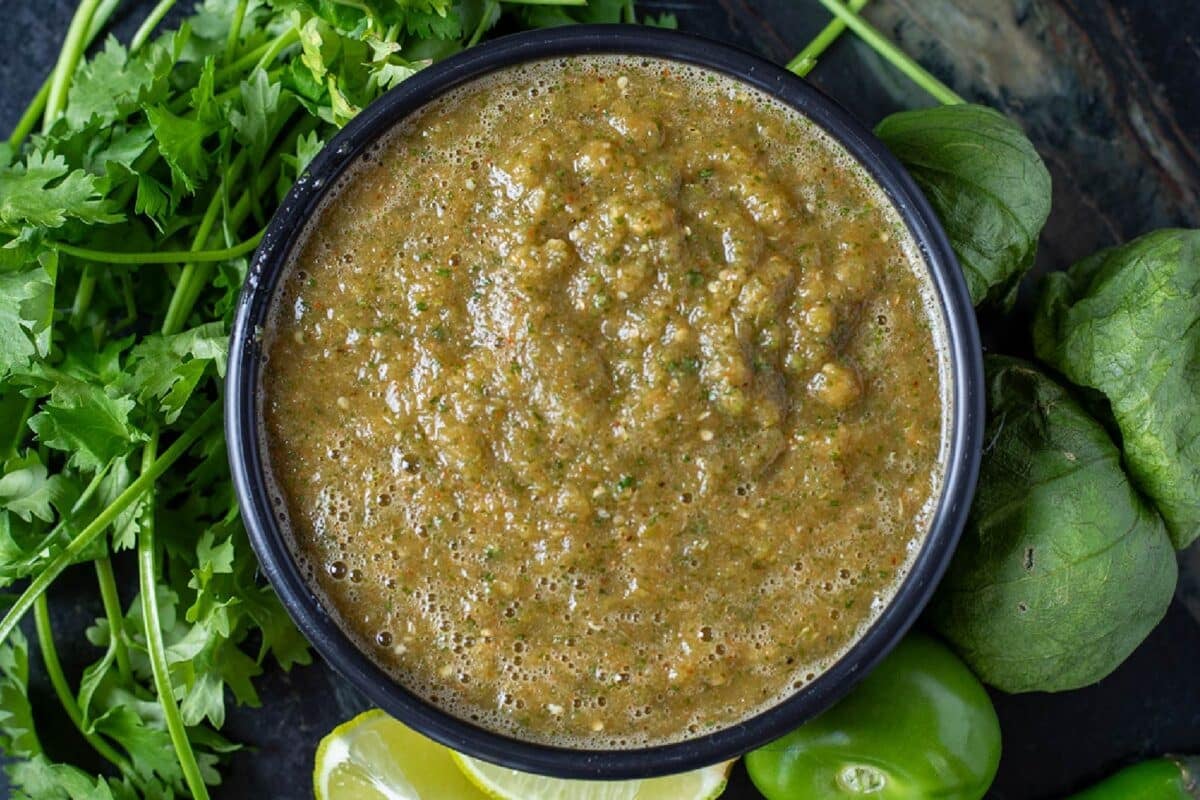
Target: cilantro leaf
307, 147
205, 699
96, 674
17, 734
181, 142
26, 309
41, 779
263, 111
280, 637
28, 490
203, 97
430, 24
664, 20
152, 200
138, 726
110, 85
390, 72
117, 155
128, 523
45, 192
24, 548
606, 11
168, 368
86, 421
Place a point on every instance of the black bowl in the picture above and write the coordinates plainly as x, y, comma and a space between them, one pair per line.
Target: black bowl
242, 425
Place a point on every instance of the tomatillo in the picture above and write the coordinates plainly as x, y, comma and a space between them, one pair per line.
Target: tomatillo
919, 726
1167, 778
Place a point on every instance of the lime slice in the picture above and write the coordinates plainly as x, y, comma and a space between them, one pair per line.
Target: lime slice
501, 783
374, 757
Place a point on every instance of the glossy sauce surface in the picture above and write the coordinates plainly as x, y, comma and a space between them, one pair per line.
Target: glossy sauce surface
606, 402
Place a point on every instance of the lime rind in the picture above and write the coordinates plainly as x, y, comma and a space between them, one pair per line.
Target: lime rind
374, 757
501, 783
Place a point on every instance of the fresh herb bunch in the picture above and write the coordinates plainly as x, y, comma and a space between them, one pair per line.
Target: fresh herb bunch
126, 222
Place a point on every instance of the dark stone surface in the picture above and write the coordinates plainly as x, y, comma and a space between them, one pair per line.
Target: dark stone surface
1107, 90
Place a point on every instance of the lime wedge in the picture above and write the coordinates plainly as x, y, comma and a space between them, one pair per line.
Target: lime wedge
374, 757
501, 783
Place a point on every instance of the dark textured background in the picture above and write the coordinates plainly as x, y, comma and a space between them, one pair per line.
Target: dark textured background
1108, 91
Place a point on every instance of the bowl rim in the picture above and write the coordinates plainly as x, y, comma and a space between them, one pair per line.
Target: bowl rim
242, 428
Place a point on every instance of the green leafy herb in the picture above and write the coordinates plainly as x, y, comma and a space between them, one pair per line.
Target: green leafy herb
26, 310
44, 192
17, 734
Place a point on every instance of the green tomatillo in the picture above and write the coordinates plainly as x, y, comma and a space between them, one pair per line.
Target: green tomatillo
1167, 778
919, 726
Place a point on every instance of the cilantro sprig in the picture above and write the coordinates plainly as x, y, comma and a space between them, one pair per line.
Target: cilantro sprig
132, 191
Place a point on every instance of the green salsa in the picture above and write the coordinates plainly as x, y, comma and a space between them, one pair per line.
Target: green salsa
606, 402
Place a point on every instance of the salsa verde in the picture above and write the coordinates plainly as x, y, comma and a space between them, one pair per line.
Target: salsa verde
606, 401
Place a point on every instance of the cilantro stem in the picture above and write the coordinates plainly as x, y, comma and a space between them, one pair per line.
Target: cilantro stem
114, 614
357, 4
83, 295
149, 24
70, 554
183, 103
806, 59
488, 8
893, 54
127, 296
186, 291
148, 581
68, 59
235, 30
33, 111
161, 256
281, 43
19, 434
58, 680
141, 164
196, 275
248, 59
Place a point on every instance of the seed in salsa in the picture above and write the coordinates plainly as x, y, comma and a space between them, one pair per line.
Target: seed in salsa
606, 402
